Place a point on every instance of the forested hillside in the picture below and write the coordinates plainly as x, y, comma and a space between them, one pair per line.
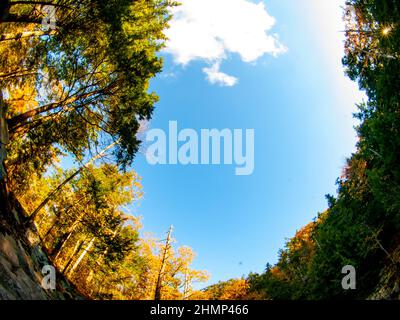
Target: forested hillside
361, 227
74, 93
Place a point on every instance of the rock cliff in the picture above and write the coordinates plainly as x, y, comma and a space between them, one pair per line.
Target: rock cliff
22, 258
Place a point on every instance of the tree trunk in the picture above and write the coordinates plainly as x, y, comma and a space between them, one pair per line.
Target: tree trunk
13, 18
4, 137
186, 286
68, 235
58, 249
77, 248
157, 294
25, 34
85, 251
19, 120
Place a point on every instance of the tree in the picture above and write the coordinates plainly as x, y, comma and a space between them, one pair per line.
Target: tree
85, 228
92, 74
233, 289
176, 272
361, 226
78, 92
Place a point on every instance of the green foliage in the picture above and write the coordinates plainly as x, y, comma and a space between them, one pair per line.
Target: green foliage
68, 93
91, 78
361, 227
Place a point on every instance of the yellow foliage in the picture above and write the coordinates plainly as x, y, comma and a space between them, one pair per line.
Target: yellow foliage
235, 290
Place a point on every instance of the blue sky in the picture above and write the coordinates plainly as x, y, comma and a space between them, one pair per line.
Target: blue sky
297, 100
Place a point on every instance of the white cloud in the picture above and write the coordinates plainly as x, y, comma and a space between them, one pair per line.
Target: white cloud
215, 76
209, 30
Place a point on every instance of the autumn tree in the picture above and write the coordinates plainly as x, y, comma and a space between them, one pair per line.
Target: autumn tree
177, 275
362, 224
233, 289
80, 86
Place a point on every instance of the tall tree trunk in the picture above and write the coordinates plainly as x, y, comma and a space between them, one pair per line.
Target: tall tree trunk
56, 252
4, 137
20, 120
68, 235
25, 34
85, 251
76, 250
157, 293
186, 286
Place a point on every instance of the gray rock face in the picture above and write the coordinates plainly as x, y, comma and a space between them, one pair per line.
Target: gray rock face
18, 276
20, 273
22, 258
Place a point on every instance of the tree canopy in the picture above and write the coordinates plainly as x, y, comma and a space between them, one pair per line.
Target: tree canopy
361, 226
